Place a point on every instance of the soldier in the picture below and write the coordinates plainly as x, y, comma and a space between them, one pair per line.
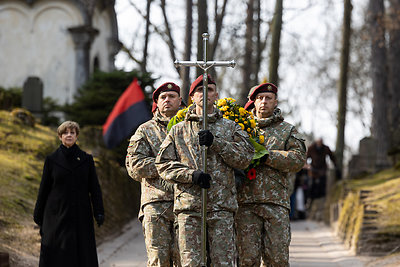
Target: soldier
262, 221
156, 209
179, 161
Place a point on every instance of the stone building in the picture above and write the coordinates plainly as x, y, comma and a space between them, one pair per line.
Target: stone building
59, 41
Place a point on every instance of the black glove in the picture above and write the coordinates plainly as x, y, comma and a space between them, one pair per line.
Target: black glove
99, 219
240, 176
206, 138
202, 179
264, 158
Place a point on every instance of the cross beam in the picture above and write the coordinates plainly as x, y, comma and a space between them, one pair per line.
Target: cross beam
204, 65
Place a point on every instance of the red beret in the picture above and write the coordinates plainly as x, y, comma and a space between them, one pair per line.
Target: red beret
249, 105
264, 87
198, 82
165, 87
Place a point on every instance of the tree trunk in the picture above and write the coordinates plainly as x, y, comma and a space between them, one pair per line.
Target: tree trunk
342, 90
146, 38
394, 77
275, 43
248, 54
188, 51
219, 17
379, 127
170, 40
257, 61
202, 28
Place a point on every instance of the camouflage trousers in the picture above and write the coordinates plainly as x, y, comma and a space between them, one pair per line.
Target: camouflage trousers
263, 231
220, 238
159, 234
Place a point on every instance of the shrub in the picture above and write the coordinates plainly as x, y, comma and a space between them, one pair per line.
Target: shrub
10, 98
96, 98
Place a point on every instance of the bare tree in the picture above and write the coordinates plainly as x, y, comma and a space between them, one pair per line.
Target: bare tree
219, 17
247, 68
201, 28
342, 90
394, 77
146, 37
188, 50
379, 127
170, 40
259, 49
275, 43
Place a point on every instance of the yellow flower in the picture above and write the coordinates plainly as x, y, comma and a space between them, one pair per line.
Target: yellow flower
248, 130
261, 137
180, 113
241, 125
236, 120
253, 123
242, 111
221, 102
245, 122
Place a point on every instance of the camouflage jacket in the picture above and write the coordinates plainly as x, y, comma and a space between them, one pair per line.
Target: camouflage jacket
287, 153
180, 155
141, 154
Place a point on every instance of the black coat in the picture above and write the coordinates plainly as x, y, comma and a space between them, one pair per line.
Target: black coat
68, 193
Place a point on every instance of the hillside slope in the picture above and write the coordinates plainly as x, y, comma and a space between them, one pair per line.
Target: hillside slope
22, 152
369, 220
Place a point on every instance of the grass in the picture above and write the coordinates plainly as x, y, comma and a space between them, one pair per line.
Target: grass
22, 150
384, 197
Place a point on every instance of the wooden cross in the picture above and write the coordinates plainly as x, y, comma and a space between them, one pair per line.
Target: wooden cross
204, 65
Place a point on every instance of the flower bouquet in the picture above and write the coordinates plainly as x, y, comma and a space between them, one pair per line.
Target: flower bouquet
246, 121
234, 112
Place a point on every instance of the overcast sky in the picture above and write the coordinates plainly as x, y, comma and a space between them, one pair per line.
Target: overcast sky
304, 29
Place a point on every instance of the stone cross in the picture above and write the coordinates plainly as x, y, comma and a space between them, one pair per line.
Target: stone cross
204, 65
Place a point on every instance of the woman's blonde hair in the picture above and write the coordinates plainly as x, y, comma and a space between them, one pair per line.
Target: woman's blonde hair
68, 125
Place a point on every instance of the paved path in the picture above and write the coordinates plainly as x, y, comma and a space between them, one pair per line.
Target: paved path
126, 250
313, 245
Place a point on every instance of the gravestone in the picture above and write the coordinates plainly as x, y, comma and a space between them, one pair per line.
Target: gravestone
32, 95
364, 162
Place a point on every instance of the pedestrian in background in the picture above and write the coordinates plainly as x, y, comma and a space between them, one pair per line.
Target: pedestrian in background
69, 196
318, 153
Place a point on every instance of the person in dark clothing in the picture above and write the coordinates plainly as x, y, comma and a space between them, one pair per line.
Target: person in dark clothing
69, 195
317, 152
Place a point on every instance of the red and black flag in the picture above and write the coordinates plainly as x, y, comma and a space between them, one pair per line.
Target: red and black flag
128, 113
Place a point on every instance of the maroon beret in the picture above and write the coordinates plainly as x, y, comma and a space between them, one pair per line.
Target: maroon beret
165, 87
249, 105
198, 82
262, 88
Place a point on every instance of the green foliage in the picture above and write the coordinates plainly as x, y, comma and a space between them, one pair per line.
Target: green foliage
10, 98
49, 106
95, 100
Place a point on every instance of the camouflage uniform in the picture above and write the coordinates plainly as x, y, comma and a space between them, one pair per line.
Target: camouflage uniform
156, 205
179, 157
262, 221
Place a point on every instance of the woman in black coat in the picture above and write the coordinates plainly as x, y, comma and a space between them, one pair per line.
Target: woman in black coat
69, 196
